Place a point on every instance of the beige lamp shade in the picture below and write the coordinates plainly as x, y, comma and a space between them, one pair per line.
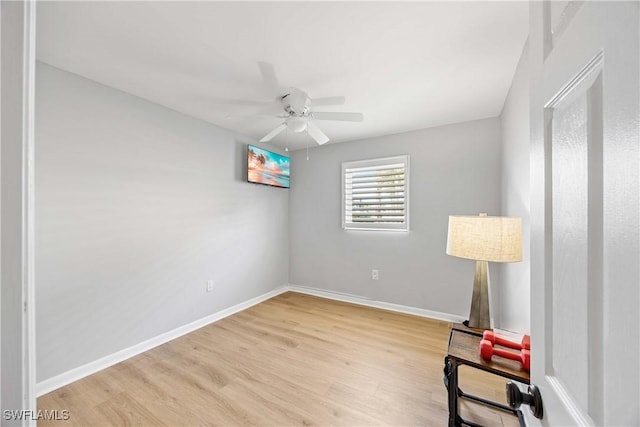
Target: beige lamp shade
485, 238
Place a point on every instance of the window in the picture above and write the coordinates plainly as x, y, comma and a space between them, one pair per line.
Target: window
375, 194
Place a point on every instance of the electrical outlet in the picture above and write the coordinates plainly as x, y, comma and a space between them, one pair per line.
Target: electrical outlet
374, 274
209, 285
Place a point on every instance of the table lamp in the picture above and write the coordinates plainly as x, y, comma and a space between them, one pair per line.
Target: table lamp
484, 238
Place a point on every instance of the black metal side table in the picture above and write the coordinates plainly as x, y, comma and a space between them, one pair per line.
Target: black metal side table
463, 350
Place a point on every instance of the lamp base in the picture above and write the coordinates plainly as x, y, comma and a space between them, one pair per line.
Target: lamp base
479, 315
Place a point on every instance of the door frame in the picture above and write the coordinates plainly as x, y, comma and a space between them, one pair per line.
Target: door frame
28, 188
18, 212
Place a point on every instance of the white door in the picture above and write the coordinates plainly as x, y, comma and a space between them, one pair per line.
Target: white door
585, 212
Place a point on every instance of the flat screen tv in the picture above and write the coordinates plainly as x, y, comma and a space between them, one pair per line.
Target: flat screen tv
267, 167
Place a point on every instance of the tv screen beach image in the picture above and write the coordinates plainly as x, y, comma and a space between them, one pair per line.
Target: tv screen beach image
266, 167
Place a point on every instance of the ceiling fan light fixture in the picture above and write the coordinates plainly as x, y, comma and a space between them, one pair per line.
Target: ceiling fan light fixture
297, 124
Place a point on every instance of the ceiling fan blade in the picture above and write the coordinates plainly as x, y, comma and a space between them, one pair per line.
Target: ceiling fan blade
241, 102
343, 117
315, 133
258, 107
271, 110
269, 78
329, 100
268, 137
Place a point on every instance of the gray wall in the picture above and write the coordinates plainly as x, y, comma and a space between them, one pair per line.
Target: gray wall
514, 297
454, 169
137, 206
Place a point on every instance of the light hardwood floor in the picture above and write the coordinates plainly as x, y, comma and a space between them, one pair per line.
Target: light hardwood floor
292, 360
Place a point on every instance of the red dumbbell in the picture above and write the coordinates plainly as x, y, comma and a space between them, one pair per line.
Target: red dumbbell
523, 356
491, 336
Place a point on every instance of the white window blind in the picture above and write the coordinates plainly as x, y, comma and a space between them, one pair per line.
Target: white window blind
375, 194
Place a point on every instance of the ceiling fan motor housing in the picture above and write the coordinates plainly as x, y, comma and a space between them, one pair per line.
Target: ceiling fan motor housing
297, 103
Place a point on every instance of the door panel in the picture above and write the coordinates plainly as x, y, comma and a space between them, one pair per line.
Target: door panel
584, 209
575, 138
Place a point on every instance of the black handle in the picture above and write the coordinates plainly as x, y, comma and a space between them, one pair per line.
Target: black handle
515, 398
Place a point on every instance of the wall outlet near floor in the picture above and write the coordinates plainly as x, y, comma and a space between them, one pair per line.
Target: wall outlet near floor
374, 275
209, 285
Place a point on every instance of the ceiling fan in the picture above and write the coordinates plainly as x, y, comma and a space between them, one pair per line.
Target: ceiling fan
298, 114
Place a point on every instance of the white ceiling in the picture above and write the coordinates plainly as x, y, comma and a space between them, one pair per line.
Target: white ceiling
404, 65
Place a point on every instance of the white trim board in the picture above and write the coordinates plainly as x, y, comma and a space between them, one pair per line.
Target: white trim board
80, 372
355, 299
28, 219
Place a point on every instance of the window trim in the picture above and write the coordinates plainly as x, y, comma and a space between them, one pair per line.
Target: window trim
404, 227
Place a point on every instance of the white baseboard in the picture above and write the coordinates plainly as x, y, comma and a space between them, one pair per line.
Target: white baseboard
355, 299
80, 372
